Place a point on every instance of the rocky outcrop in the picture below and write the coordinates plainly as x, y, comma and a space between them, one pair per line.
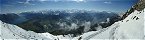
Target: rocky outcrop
138, 6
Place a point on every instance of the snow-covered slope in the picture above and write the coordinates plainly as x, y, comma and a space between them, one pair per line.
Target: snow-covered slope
9, 31
131, 27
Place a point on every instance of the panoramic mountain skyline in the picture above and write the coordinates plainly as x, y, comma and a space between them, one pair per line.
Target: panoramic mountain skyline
16, 6
72, 19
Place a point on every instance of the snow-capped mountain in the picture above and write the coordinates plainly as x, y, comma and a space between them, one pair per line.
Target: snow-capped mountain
60, 22
130, 28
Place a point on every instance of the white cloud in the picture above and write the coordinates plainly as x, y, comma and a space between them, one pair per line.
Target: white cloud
108, 2
87, 26
27, 2
79, 0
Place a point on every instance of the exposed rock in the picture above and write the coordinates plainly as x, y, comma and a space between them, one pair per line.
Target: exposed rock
138, 6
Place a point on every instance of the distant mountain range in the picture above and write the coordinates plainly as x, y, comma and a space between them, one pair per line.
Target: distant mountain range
61, 21
130, 27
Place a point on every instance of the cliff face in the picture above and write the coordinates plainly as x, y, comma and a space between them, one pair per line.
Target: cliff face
138, 6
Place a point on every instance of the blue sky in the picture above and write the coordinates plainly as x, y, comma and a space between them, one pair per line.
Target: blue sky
16, 6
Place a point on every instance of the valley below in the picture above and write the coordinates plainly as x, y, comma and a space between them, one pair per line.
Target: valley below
61, 22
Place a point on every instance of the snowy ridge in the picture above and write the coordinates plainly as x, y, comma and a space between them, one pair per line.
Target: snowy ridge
130, 28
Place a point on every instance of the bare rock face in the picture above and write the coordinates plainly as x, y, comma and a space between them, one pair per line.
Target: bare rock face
138, 6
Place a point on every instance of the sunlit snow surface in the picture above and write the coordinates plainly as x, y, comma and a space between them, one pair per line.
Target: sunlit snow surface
130, 28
